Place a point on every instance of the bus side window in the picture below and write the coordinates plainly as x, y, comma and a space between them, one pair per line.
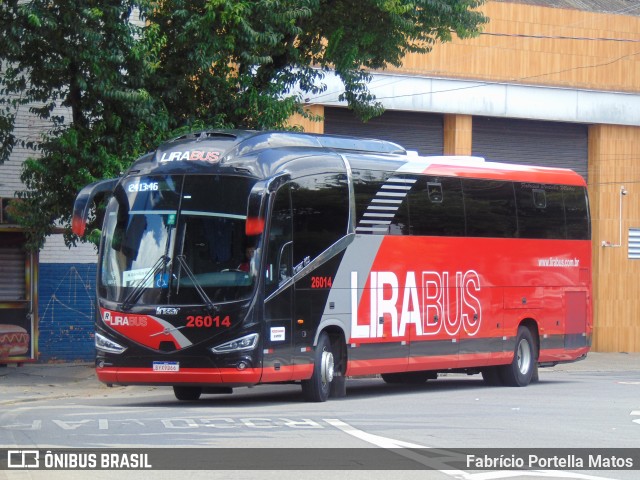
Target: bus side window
540, 213
576, 212
278, 262
320, 206
380, 206
490, 208
436, 208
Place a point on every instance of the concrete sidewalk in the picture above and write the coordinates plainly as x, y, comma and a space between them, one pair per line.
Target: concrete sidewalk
39, 381
602, 362
36, 381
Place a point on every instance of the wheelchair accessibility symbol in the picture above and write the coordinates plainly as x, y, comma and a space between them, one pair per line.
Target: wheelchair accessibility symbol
161, 280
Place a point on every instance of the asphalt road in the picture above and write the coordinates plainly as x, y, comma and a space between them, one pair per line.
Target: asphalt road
590, 405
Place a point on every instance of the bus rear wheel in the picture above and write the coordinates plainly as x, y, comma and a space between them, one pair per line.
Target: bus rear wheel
520, 371
318, 387
189, 394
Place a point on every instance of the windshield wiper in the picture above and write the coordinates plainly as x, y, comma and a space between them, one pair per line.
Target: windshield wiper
135, 294
183, 263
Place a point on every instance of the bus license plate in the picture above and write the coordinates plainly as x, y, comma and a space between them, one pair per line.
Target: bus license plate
166, 366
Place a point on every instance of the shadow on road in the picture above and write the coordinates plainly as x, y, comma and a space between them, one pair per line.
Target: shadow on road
357, 389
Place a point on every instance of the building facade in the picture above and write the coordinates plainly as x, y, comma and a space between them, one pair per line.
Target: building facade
549, 82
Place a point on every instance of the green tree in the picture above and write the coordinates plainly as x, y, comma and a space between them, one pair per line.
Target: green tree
77, 65
191, 64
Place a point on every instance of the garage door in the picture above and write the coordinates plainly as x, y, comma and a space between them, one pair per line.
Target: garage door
531, 142
422, 132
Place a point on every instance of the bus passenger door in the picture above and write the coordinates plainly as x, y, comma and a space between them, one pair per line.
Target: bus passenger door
279, 292
320, 206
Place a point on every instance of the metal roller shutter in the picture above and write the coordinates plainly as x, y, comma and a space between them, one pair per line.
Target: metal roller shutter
531, 142
423, 132
12, 280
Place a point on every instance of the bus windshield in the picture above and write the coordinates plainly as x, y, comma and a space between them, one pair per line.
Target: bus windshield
177, 239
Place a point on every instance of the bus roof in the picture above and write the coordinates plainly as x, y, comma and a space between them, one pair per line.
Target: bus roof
233, 143
265, 153
477, 167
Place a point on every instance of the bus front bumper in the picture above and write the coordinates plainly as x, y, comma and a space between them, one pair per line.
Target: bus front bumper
228, 377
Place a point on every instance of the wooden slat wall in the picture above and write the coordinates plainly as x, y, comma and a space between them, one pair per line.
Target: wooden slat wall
458, 134
307, 125
614, 161
598, 64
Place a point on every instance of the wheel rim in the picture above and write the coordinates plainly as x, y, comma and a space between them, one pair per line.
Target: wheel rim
524, 357
326, 370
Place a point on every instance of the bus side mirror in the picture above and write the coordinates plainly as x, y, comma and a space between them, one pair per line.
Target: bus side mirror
254, 226
84, 200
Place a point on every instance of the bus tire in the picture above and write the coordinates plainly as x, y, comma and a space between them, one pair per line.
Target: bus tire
535, 378
338, 386
318, 387
520, 371
189, 394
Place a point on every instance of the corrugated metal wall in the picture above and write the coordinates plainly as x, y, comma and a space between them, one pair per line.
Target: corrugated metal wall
530, 142
423, 132
12, 280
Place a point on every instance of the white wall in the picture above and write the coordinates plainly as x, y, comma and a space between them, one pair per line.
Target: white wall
55, 251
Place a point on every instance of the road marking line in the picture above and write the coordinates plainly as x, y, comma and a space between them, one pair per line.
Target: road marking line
390, 443
382, 442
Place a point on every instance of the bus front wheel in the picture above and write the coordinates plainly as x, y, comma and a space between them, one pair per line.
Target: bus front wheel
520, 371
318, 387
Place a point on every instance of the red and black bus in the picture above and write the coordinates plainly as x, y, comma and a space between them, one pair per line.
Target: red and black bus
236, 258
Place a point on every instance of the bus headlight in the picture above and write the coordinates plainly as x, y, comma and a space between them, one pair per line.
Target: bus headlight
248, 342
105, 345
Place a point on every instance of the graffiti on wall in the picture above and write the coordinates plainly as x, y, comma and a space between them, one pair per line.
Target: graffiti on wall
67, 311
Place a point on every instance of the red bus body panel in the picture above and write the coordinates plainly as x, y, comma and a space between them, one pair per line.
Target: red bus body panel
480, 290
